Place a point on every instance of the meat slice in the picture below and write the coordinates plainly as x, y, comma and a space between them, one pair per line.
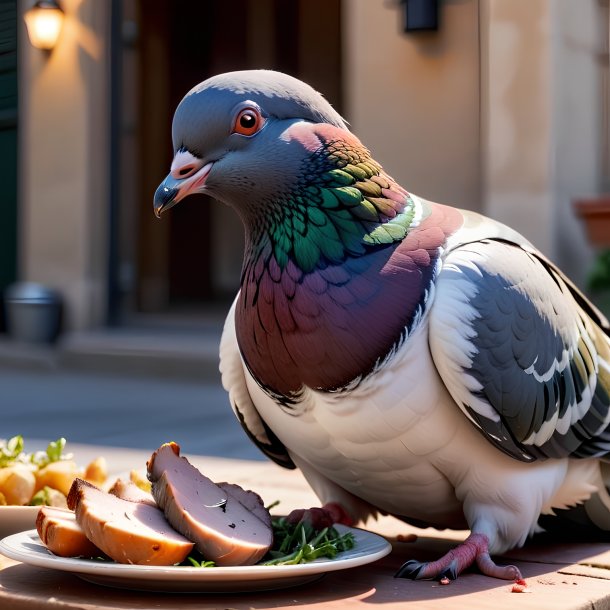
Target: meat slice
128, 532
250, 499
219, 520
62, 535
128, 490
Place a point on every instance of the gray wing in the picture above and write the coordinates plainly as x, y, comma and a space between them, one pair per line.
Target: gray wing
522, 352
234, 381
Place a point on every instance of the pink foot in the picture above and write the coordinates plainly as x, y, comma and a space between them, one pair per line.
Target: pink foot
320, 518
338, 514
475, 549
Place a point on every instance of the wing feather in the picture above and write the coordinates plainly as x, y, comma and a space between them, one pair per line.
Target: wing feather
533, 370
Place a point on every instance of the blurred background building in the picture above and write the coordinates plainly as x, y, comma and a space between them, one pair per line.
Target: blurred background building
502, 108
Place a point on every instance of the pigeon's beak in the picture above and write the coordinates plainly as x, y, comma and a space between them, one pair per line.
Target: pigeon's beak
187, 176
166, 195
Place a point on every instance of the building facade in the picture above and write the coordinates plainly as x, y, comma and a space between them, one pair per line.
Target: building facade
502, 109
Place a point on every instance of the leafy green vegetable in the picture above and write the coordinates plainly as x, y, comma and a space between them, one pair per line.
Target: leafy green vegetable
301, 543
54, 453
294, 543
47, 496
55, 449
41, 498
200, 564
12, 451
197, 560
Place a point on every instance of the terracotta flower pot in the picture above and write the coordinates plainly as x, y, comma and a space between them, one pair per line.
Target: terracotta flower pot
595, 213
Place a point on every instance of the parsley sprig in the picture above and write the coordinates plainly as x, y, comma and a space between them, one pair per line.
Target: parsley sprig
301, 543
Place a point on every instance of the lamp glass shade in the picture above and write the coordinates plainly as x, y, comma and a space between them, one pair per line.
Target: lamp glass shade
43, 22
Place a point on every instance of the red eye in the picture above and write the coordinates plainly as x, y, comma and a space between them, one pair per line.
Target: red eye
248, 122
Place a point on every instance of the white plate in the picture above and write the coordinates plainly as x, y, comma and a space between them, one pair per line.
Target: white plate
15, 519
27, 548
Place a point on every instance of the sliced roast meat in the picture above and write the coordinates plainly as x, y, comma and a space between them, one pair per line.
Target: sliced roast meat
225, 530
62, 535
128, 490
128, 532
250, 499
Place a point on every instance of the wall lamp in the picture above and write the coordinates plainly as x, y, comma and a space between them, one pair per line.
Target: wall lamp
419, 15
43, 22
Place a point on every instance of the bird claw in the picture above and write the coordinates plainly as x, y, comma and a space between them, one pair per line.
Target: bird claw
473, 550
416, 570
410, 569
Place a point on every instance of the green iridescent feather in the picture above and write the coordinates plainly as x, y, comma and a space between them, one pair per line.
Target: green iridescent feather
339, 209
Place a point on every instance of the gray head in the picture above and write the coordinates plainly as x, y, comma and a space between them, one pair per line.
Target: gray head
233, 136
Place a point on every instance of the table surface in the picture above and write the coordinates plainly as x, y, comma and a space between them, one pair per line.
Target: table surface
561, 576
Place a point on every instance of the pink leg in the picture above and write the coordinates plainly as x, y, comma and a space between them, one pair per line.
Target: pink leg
475, 549
327, 515
338, 514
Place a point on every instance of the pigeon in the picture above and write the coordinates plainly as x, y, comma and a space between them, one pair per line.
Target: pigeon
410, 358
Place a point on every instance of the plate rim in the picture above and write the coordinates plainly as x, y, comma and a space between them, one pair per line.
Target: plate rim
12, 546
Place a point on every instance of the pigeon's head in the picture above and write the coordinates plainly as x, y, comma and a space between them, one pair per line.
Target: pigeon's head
242, 137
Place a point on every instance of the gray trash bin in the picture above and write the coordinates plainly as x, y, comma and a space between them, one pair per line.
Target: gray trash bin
33, 312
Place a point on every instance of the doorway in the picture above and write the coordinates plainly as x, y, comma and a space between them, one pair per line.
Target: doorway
190, 260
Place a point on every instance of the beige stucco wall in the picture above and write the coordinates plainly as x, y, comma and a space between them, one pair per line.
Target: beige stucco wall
500, 110
63, 166
413, 99
541, 119
516, 116
580, 72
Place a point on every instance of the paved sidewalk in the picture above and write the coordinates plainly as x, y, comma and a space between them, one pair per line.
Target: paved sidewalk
123, 388
187, 351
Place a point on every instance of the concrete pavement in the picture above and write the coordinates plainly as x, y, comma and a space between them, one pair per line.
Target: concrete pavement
123, 389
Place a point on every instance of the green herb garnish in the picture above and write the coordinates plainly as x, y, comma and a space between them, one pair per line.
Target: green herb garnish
293, 543
54, 453
197, 560
301, 543
47, 496
42, 497
12, 452
200, 564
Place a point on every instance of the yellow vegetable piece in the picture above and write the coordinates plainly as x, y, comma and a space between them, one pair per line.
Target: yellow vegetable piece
17, 484
142, 482
97, 471
58, 475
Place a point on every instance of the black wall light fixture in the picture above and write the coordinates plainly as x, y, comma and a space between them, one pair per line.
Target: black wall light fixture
419, 15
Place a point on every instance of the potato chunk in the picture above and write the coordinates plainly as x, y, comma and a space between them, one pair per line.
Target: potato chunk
17, 484
97, 471
58, 475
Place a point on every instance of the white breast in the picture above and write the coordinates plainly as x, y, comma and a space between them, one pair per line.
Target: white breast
399, 442
383, 440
